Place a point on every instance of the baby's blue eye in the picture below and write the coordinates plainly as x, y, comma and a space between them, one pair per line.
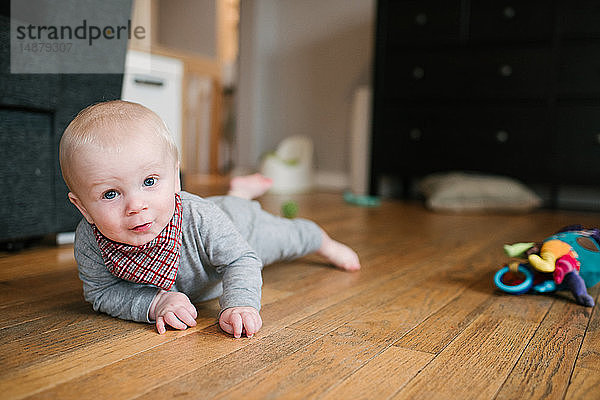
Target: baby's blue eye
149, 181
110, 194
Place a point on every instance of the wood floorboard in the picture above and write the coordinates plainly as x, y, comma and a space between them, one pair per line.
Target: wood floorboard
544, 368
422, 319
478, 361
38, 261
18, 290
26, 311
584, 384
421, 285
382, 376
72, 313
589, 355
189, 350
209, 380
309, 371
442, 327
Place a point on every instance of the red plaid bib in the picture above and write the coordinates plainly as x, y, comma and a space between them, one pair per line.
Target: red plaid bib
155, 262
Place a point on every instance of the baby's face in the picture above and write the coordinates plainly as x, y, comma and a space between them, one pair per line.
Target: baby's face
127, 194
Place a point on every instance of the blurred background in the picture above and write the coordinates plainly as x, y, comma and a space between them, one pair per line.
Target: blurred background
256, 72
377, 94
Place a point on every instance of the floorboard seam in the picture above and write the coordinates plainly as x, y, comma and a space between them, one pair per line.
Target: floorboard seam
523, 351
589, 321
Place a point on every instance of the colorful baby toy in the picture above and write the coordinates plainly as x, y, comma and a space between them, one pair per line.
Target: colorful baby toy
569, 259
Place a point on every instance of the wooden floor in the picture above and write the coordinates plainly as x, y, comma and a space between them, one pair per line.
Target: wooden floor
422, 320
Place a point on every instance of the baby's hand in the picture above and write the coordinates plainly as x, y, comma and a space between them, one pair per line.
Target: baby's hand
236, 320
173, 308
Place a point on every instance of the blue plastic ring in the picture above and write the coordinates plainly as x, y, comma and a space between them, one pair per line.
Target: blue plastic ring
521, 288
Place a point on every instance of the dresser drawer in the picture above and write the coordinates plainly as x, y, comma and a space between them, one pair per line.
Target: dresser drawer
459, 73
420, 140
27, 158
507, 136
413, 22
502, 20
579, 19
428, 74
579, 70
472, 137
576, 157
523, 72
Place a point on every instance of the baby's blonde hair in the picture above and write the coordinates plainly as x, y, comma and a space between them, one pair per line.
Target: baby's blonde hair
96, 125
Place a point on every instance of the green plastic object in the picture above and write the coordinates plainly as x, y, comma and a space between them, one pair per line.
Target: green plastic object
517, 249
289, 209
361, 200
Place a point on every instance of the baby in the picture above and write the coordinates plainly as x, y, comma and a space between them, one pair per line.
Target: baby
146, 250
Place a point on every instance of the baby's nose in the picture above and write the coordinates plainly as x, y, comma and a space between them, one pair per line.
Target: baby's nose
135, 205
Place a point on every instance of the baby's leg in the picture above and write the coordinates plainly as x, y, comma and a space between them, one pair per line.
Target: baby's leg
276, 239
249, 186
338, 254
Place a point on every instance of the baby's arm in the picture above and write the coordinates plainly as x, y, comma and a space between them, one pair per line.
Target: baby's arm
174, 308
240, 270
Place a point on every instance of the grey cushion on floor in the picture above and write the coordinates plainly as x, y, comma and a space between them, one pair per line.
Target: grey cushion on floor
461, 192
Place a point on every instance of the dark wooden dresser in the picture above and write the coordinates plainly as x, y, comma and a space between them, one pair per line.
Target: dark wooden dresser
34, 111
495, 86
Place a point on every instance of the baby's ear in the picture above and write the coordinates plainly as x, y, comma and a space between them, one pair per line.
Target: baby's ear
77, 203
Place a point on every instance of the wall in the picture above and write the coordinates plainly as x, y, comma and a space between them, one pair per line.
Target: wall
300, 62
197, 17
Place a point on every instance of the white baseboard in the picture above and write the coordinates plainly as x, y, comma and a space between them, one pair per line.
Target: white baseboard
331, 180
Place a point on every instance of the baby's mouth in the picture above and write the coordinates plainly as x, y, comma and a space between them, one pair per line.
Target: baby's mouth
142, 228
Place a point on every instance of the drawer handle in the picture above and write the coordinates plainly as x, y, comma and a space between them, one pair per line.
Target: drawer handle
37, 172
148, 81
418, 73
502, 136
505, 70
415, 134
421, 19
509, 12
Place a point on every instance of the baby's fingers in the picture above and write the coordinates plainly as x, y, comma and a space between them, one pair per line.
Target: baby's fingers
185, 316
173, 321
237, 324
193, 312
160, 325
252, 323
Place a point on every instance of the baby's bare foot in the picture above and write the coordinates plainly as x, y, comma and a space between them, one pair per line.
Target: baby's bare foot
249, 186
339, 254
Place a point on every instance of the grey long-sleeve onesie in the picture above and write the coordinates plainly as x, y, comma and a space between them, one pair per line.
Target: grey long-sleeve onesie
225, 242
